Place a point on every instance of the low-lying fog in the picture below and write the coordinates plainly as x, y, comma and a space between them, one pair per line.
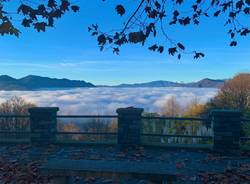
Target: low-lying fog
100, 101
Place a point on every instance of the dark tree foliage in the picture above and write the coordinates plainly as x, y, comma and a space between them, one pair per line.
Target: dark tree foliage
153, 17
150, 20
34, 13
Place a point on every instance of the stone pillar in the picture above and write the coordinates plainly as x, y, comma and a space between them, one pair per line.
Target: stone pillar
227, 129
129, 126
43, 124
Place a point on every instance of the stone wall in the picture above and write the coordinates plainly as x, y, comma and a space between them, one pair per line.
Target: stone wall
43, 123
129, 126
227, 129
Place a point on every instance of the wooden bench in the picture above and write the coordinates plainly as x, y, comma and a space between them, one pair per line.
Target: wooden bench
62, 170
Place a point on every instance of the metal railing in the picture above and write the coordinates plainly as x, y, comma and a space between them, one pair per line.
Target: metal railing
86, 128
176, 130
158, 130
10, 130
245, 141
14, 128
87, 116
245, 120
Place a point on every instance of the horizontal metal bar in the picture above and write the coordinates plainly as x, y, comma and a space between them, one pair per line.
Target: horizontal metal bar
86, 116
177, 135
245, 120
245, 138
86, 133
63, 116
17, 132
62, 133
116, 116
14, 116
178, 145
176, 118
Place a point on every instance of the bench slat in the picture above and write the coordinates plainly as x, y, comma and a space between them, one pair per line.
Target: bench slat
110, 166
154, 171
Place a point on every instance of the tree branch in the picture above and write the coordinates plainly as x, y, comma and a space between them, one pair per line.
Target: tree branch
135, 12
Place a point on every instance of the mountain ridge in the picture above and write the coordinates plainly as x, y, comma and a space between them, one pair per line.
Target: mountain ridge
204, 83
34, 82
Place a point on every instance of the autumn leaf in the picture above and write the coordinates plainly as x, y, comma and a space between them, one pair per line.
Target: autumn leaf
198, 55
172, 51
179, 56
101, 39
181, 46
160, 49
153, 47
75, 8
26, 22
65, 6
116, 50
157, 4
179, 1
245, 32
120, 10
247, 10
40, 26
136, 37
51, 3
217, 13
233, 43
239, 4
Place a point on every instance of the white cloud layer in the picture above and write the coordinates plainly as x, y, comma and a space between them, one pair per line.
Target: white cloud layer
107, 100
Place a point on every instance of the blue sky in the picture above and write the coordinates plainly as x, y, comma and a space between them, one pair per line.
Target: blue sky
68, 51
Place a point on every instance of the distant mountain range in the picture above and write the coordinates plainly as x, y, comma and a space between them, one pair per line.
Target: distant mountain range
204, 83
32, 82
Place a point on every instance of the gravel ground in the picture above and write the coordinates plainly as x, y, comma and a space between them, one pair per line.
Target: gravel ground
19, 163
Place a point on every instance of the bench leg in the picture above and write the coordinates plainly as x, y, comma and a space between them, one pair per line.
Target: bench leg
61, 180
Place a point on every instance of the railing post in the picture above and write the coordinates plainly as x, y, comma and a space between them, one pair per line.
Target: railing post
227, 129
43, 124
129, 126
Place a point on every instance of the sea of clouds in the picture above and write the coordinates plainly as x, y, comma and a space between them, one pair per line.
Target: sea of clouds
106, 100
